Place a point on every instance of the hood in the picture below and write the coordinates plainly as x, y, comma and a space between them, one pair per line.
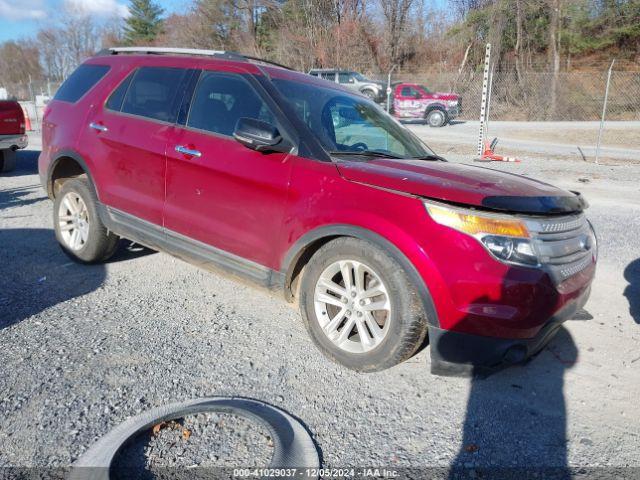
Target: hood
463, 184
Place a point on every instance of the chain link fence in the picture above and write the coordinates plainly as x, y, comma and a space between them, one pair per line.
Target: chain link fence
531, 112
537, 111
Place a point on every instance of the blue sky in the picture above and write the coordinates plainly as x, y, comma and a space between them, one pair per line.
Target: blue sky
23, 18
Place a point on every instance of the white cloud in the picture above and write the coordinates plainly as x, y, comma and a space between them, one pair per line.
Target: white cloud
25, 10
103, 8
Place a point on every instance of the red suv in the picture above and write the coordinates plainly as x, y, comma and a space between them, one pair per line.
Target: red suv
307, 188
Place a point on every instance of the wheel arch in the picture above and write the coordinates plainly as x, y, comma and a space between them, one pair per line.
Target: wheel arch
435, 106
67, 164
369, 88
306, 246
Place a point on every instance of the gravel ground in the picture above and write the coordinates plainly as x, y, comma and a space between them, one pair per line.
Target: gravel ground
205, 440
85, 347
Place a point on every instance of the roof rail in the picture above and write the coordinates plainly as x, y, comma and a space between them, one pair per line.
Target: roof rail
189, 51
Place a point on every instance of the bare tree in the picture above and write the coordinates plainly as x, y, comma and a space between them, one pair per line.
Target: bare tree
72, 38
553, 51
18, 62
395, 14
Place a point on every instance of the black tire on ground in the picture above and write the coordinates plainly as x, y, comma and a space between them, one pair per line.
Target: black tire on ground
101, 244
437, 118
408, 326
7, 160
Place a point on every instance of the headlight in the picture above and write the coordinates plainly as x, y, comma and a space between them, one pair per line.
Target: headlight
506, 238
452, 103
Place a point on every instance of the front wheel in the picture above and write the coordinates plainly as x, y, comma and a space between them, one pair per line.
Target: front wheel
359, 306
437, 118
78, 228
371, 94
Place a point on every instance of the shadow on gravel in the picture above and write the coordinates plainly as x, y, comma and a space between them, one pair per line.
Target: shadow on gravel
128, 250
16, 197
35, 274
632, 292
516, 419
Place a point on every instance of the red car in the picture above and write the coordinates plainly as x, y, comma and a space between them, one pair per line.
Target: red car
304, 187
416, 103
12, 133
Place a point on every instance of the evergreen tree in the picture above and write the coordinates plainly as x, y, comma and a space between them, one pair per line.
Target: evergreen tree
144, 23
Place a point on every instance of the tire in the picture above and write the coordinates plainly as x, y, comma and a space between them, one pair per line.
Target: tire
96, 244
371, 94
399, 314
7, 160
293, 446
437, 118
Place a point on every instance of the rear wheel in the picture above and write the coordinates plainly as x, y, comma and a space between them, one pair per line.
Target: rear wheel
7, 160
360, 307
78, 228
437, 118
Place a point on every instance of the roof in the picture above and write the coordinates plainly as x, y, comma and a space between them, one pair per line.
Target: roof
220, 54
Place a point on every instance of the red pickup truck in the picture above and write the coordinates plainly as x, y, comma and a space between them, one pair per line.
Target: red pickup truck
12, 133
416, 103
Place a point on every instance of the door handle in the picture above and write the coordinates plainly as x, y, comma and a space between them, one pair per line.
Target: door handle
98, 127
187, 151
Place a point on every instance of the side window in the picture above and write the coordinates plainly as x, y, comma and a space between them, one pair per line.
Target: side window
331, 76
344, 77
153, 93
80, 82
406, 91
117, 97
221, 99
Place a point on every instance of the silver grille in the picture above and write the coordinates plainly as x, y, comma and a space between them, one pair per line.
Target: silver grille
564, 245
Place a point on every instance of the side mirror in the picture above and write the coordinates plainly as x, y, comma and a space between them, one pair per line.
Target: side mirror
260, 136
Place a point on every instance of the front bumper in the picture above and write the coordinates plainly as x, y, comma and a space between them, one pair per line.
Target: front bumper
454, 112
463, 354
13, 142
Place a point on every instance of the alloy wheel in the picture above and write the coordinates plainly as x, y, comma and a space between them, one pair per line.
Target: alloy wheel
73, 221
352, 305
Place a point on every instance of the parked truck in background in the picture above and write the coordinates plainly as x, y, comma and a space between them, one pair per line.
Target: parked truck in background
12, 133
373, 89
413, 102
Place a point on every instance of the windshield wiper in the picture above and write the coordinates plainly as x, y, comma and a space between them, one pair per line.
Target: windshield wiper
366, 153
430, 157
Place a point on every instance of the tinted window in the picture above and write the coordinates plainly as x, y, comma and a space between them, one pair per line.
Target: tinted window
80, 82
221, 99
116, 98
154, 92
410, 92
328, 76
342, 122
344, 77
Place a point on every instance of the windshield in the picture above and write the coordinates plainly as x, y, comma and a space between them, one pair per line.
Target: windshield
426, 90
350, 124
359, 77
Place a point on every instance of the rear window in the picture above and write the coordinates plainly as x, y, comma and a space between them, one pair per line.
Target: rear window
155, 92
80, 82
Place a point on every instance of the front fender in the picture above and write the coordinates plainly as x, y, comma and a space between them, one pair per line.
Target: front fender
347, 230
